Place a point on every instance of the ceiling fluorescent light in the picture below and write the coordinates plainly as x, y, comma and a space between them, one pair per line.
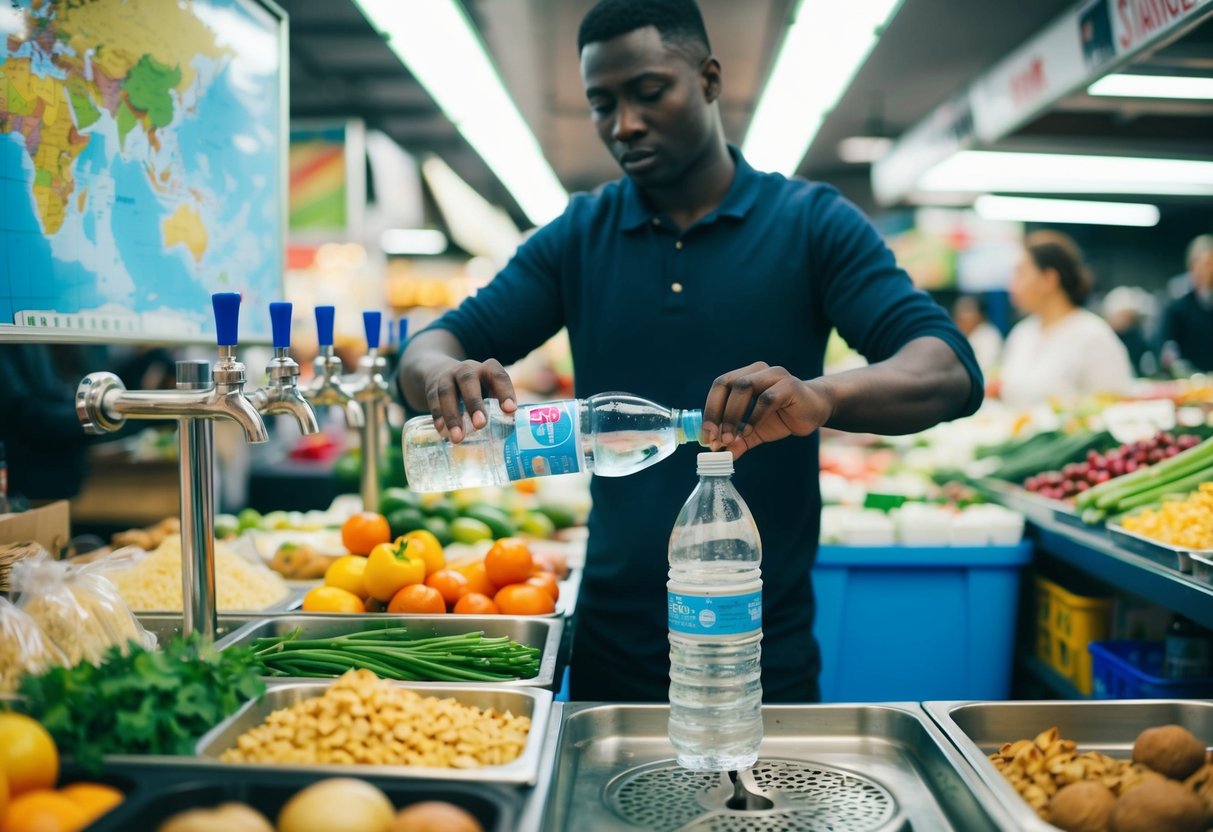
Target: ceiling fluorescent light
403, 241
1074, 211
442, 50
984, 171
822, 50
857, 150
1153, 86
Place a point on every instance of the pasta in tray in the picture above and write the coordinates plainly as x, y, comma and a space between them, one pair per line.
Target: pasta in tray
153, 582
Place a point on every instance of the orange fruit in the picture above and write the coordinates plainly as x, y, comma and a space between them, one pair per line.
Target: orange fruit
43, 810
478, 579
524, 599
450, 584
509, 561
547, 582
94, 799
473, 603
418, 598
428, 548
332, 599
3, 798
28, 757
364, 531
349, 573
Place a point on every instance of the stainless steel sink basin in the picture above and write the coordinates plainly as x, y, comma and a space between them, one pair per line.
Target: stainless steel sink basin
842, 768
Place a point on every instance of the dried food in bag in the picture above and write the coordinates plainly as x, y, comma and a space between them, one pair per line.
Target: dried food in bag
77, 607
23, 647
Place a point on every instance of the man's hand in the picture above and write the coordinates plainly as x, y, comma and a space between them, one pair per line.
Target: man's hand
783, 406
452, 380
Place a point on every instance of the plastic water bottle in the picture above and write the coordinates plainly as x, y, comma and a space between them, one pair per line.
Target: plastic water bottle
715, 612
611, 435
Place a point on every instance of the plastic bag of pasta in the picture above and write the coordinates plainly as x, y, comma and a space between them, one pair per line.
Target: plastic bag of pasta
78, 609
23, 647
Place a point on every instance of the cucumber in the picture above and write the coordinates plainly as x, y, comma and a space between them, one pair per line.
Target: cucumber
496, 519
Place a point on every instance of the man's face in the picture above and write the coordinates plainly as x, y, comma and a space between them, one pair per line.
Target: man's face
651, 104
1201, 268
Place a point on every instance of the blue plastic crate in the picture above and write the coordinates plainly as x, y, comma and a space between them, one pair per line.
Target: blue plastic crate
1133, 670
915, 623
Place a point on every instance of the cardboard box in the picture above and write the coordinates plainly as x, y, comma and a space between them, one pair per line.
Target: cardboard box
48, 525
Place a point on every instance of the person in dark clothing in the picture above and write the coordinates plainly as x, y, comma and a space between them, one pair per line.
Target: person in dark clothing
46, 446
697, 275
1187, 327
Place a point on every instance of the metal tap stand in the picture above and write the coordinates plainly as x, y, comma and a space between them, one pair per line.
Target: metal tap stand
103, 405
370, 390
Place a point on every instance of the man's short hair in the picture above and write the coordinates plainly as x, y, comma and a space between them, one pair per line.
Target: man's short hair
677, 21
1199, 247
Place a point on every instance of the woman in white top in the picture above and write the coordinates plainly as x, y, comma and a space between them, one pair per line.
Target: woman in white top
1060, 351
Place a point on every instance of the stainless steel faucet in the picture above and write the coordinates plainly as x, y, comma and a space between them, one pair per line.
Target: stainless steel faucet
103, 405
327, 387
282, 393
370, 391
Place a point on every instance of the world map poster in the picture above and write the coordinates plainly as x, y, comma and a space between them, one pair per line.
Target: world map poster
142, 157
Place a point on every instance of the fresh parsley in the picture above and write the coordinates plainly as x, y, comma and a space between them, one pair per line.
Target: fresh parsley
143, 702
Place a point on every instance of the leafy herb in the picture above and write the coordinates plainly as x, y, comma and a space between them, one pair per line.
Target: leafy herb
144, 702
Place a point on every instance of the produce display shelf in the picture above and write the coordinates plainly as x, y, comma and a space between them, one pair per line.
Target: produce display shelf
1092, 552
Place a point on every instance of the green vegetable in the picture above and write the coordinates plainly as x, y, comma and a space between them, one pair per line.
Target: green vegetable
393, 499
440, 528
497, 520
1109, 495
146, 702
405, 520
444, 507
395, 653
249, 518
470, 530
1051, 455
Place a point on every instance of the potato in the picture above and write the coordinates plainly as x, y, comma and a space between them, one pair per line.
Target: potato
1158, 806
435, 816
1171, 750
339, 804
1082, 807
227, 817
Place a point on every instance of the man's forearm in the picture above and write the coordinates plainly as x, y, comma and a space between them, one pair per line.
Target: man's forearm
923, 384
424, 352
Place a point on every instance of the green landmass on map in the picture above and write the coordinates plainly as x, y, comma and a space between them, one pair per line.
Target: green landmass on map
87, 113
147, 87
126, 123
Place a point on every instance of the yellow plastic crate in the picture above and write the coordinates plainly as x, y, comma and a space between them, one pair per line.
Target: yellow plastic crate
1065, 624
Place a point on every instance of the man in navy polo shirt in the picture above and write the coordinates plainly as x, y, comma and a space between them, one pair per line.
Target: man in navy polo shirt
696, 275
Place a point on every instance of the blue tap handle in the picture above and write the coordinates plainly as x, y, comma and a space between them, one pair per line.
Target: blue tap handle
324, 325
227, 318
404, 333
373, 322
280, 323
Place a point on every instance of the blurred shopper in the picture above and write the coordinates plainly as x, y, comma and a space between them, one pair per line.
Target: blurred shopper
969, 314
1061, 350
1187, 326
690, 266
1126, 309
46, 445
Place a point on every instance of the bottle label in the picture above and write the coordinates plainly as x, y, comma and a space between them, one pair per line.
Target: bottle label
546, 440
695, 614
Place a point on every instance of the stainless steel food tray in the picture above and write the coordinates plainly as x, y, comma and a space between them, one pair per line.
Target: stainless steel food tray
291, 601
528, 702
896, 745
1175, 557
1110, 727
165, 625
543, 633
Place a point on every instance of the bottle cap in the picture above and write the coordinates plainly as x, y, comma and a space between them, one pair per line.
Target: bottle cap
715, 464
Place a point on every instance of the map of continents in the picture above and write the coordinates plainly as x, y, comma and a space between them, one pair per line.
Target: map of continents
140, 164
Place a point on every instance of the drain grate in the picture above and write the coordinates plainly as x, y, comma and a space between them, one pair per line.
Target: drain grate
663, 797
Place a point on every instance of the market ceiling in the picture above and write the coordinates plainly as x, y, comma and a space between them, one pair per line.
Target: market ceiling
931, 49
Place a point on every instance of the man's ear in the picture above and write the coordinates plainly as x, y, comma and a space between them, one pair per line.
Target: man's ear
710, 79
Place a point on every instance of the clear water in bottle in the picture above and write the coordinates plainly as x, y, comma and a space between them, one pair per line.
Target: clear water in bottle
715, 615
611, 435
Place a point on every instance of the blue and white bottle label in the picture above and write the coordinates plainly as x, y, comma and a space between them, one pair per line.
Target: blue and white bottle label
546, 440
704, 614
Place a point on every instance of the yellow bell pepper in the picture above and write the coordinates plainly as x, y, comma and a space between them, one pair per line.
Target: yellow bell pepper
392, 566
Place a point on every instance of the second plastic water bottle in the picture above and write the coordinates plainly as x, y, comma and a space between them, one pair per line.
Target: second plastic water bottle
715, 616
